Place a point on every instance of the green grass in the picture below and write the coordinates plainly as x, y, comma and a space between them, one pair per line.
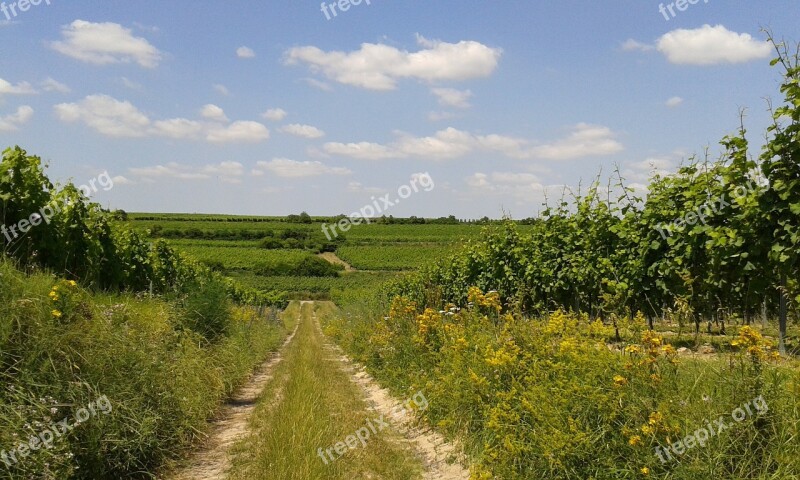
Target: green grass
163, 381
311, 403
243, 258
392, 257
193, 242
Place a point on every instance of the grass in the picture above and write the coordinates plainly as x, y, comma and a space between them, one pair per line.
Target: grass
163, 380
546, 397
392, 257
312, 404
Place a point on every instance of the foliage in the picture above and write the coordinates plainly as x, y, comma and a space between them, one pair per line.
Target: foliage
547, 397
163, 381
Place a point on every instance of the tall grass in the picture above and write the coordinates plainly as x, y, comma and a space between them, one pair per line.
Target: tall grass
547, 397
162, 378
312, 404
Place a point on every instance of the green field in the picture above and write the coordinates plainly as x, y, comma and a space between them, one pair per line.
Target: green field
397, 257
235, 245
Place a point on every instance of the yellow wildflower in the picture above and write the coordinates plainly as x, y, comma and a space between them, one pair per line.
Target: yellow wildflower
56, 313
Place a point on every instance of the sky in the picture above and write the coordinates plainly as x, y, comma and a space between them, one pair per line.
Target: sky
274, 108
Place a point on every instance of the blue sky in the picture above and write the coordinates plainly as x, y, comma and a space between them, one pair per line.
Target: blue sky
271, 108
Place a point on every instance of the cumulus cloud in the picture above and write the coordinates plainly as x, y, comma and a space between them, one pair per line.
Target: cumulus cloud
51, 85
305, 131
106, 115
284, 167
221, 89
450, 97
631, 45
105, 43
178, 128
705, 46
245, 52
318, 84
117, 118
239, 132
274, 114
12, 122
21, 88
379, 66
673, 102
709, 45
228, 172
584, 140
213, 112
439, 116
525, 188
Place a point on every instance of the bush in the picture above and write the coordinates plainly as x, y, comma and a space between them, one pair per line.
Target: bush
207, 309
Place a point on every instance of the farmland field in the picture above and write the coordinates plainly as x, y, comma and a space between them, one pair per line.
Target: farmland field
397, 257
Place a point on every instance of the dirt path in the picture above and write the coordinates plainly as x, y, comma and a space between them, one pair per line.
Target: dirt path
213, 461
334, 259
441, 459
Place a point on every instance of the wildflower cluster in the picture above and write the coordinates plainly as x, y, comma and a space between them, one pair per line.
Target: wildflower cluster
65, 300
754, 345
490, 300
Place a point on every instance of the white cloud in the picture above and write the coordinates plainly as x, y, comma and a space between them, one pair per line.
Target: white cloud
709, 45
275, 114
116, 118
450, 97
107, 115
245, 52
673, 102
221, 89
361, 150
631, 45
228, 172
12, 122
379, 67
526, 188
21, 88
120, 180
439, 116
239, 132
585, 140
318, 84
130, 83
358, 187
105, 43
51, 85
178, 128
305, 131
284, 167
213, 112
